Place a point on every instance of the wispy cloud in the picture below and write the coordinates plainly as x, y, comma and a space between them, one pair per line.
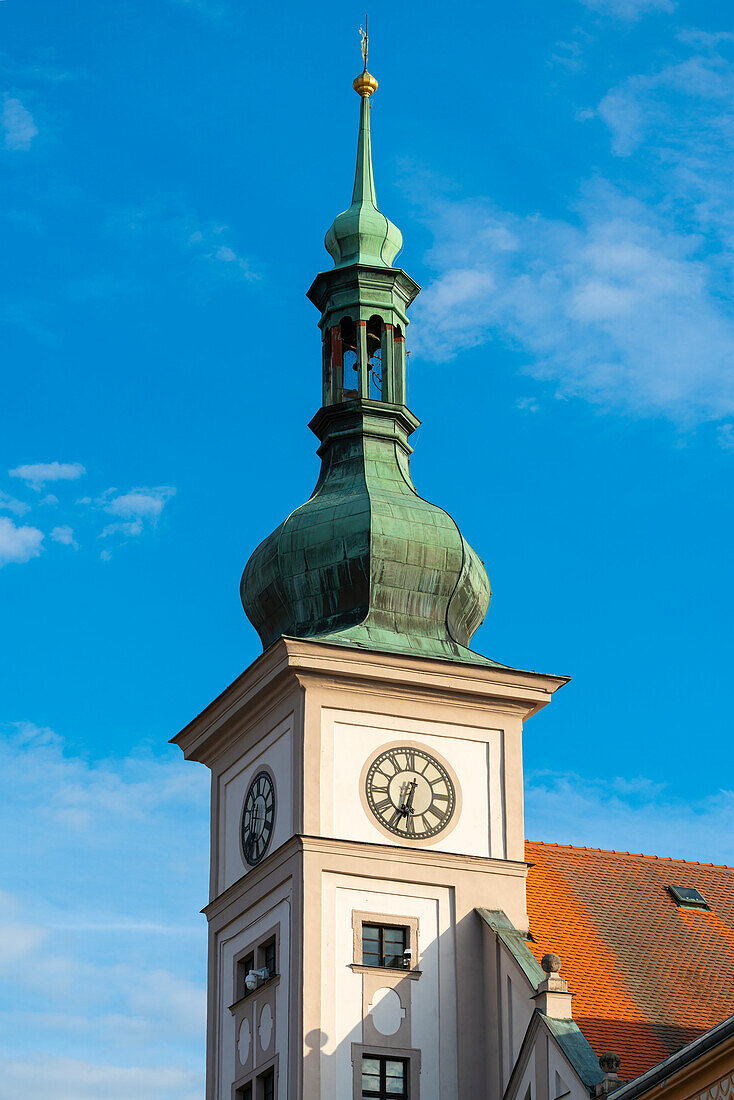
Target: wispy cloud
37, 474
105, 876
71, 1079
625, 814
135, 509
10, 504
171, 224
627, 301
65, 535
18, 126
18, 544
629, 10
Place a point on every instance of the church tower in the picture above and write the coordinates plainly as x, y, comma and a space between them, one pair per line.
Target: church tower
367, 793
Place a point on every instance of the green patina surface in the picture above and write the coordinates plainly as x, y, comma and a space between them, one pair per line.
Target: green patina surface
366, 562
362, 233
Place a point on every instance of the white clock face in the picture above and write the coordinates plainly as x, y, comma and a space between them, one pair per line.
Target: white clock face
410, 792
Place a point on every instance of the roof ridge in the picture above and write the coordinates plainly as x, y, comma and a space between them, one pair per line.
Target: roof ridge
636, 855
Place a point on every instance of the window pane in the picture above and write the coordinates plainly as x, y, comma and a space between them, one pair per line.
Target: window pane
268, 956
370, 934
370, 1076
395, 1078
394, 939
370, 958
268, 1085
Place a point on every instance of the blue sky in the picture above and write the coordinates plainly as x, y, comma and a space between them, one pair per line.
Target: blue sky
561, 174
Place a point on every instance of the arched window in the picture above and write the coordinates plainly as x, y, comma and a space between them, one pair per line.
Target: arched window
350, 376
374, 356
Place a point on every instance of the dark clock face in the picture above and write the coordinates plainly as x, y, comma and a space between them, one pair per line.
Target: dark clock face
258, 817
410, 793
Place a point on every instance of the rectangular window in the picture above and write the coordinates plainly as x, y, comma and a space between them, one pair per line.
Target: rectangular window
267, 957
244, 966
245, 1093
384, 1078
266, 1086
384, 945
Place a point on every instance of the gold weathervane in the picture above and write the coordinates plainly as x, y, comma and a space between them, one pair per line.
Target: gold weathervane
365, 84
365, 41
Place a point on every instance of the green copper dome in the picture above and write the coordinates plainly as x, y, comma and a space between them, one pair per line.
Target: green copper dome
366, 561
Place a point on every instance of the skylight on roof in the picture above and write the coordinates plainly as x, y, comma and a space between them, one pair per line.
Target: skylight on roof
688, 897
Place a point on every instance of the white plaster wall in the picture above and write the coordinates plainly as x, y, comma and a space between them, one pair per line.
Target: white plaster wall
236, 937
476, 755
517, 1011
558, 1063
433, 994
275, 750
528, 1080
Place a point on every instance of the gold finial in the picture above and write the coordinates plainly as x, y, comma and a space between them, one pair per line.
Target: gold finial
365, 84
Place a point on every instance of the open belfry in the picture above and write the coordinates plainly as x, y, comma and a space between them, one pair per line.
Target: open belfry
377, 927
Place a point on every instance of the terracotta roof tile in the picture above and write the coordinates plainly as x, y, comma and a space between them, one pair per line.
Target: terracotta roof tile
648, 976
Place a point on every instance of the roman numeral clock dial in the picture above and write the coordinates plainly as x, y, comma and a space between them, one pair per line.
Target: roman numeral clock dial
258, 818
410, 793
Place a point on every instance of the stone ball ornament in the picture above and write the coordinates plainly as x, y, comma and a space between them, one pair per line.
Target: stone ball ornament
610, 1062
550, 963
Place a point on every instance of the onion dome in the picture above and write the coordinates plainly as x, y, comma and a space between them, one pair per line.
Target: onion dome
366, 562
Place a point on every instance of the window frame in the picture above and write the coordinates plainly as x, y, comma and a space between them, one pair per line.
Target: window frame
410, 1055
255, 949
382, 953
361, 918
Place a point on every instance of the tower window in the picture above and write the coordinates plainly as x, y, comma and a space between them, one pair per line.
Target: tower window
384, 945
266, 1085
384, 1078
244, 966
374, 357
267, 957
350, 368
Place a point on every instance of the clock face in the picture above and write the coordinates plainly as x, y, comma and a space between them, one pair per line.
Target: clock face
258, 817
410, 793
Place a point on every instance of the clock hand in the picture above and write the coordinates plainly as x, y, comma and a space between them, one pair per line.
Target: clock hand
407, 806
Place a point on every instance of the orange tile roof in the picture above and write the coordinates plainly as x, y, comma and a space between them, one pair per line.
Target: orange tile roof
648, 976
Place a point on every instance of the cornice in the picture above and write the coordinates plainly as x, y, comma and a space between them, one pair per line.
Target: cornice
309, 664
363, 855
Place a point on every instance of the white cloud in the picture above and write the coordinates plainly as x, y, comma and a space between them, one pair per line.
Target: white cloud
38, 473
627, 301
70, 1079
629, 10
19, 128
65, 535
629, 815
134, 509
140, 503
18, 544
618, 308
10, 504
101, 944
